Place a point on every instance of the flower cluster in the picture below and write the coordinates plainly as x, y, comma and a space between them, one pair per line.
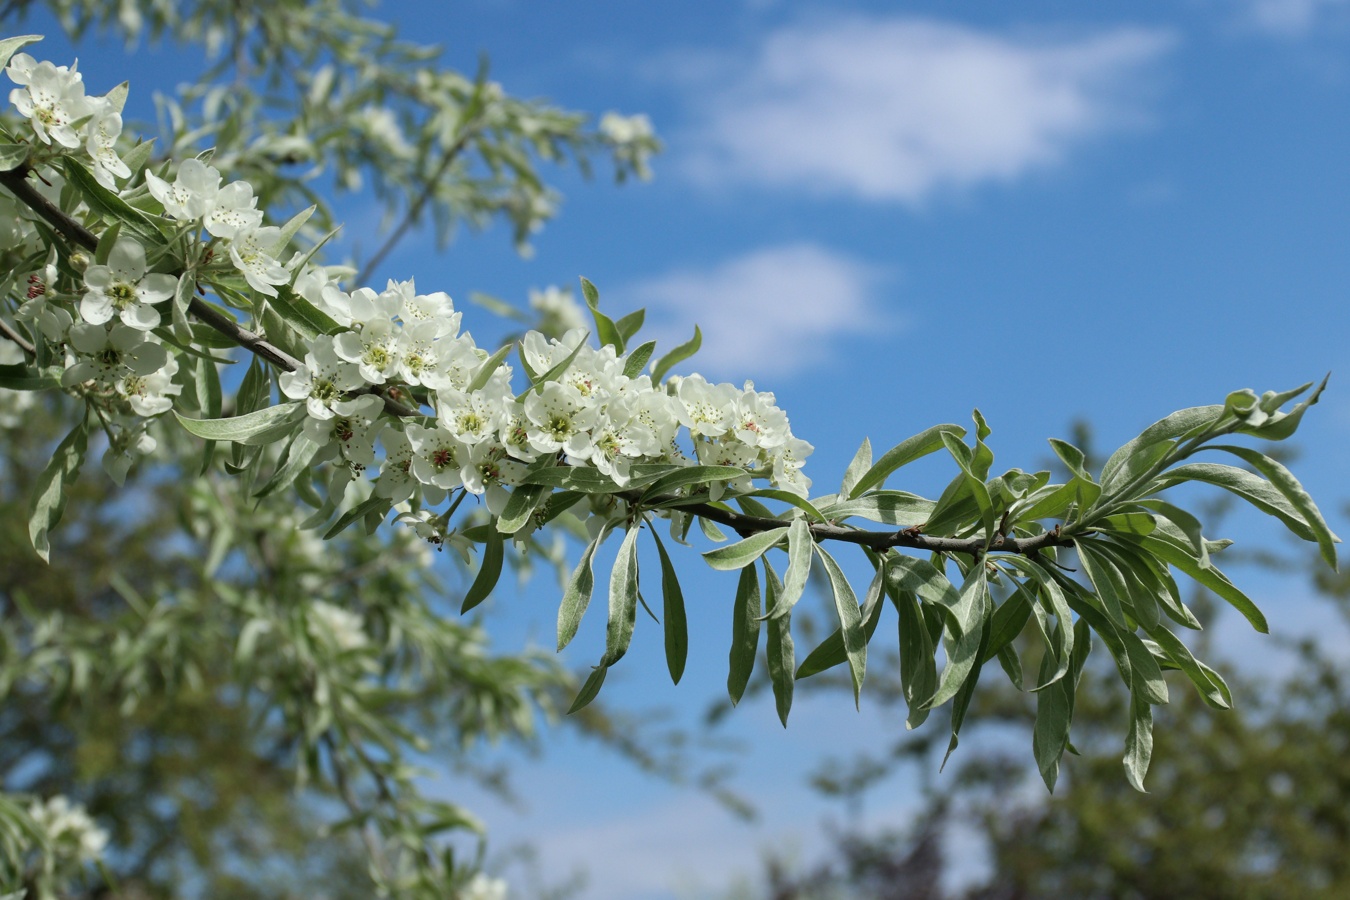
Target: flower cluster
72, 834
584, 406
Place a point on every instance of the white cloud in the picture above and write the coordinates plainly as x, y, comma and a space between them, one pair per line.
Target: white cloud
1289, 18
773, 311
895, 109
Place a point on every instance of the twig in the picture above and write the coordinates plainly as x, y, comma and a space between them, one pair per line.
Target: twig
415, 209
17, 183
6, 330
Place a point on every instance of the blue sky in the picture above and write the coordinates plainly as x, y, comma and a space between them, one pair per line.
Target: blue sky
891, 213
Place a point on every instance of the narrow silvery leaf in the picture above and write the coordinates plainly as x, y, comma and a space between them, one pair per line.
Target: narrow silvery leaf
488, 572
1139, 741
1213, 691
522, 504
744, 633
1210, 577
638, 359
1302, 502
918, 664
490, 365
850, 622
631, 324
623, 599
1145, 672
677, 356
862, 462
49, 494
962, 701
1140, 454
792, 499
690, 475
779, 649
676, 625
299, 456
887, 507
830, 652
800, 554
13, 155
271, 422
923, 578
963, 650
1103, 581
904, 453
577, 596
590, 690
1051, 731
361, 510
10, 46
744, 552
1252, 488
605, 328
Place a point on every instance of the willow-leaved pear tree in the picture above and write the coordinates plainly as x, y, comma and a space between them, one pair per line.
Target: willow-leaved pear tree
186, 327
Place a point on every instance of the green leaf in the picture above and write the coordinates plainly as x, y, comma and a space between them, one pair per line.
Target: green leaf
779, 649
49, 494
1282, 425
1139, 741
1252, 488
791, 499
637, 360
555, 372
963, 650
590, 690
299, 457
1141, 454
577, 596
677, 356
905, 573
631, 324
1105, 580
1208, 684
744, 552
918, 663
291, 229
799, 552
1299, 499
623, 597
744, 633
492, 364
904, 453
307, 319
676, 626
19, 377
488, 572
691, 475
522, 504
262, 426
11, 45
962, 702
831, 652
605, 328
1210, 577
357, 512
862, 461
850, 622
898, 508
112, 207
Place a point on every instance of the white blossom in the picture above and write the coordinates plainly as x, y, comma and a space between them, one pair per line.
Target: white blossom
101, 143
123, 288
343, 628
322, 380
251, 252
51, 97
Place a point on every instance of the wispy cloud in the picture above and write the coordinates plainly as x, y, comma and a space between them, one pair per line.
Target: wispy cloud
773, 311
896, 109
1290, 18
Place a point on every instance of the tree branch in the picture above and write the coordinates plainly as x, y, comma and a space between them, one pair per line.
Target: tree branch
908, 538
415, 209
16, 181
8, 332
